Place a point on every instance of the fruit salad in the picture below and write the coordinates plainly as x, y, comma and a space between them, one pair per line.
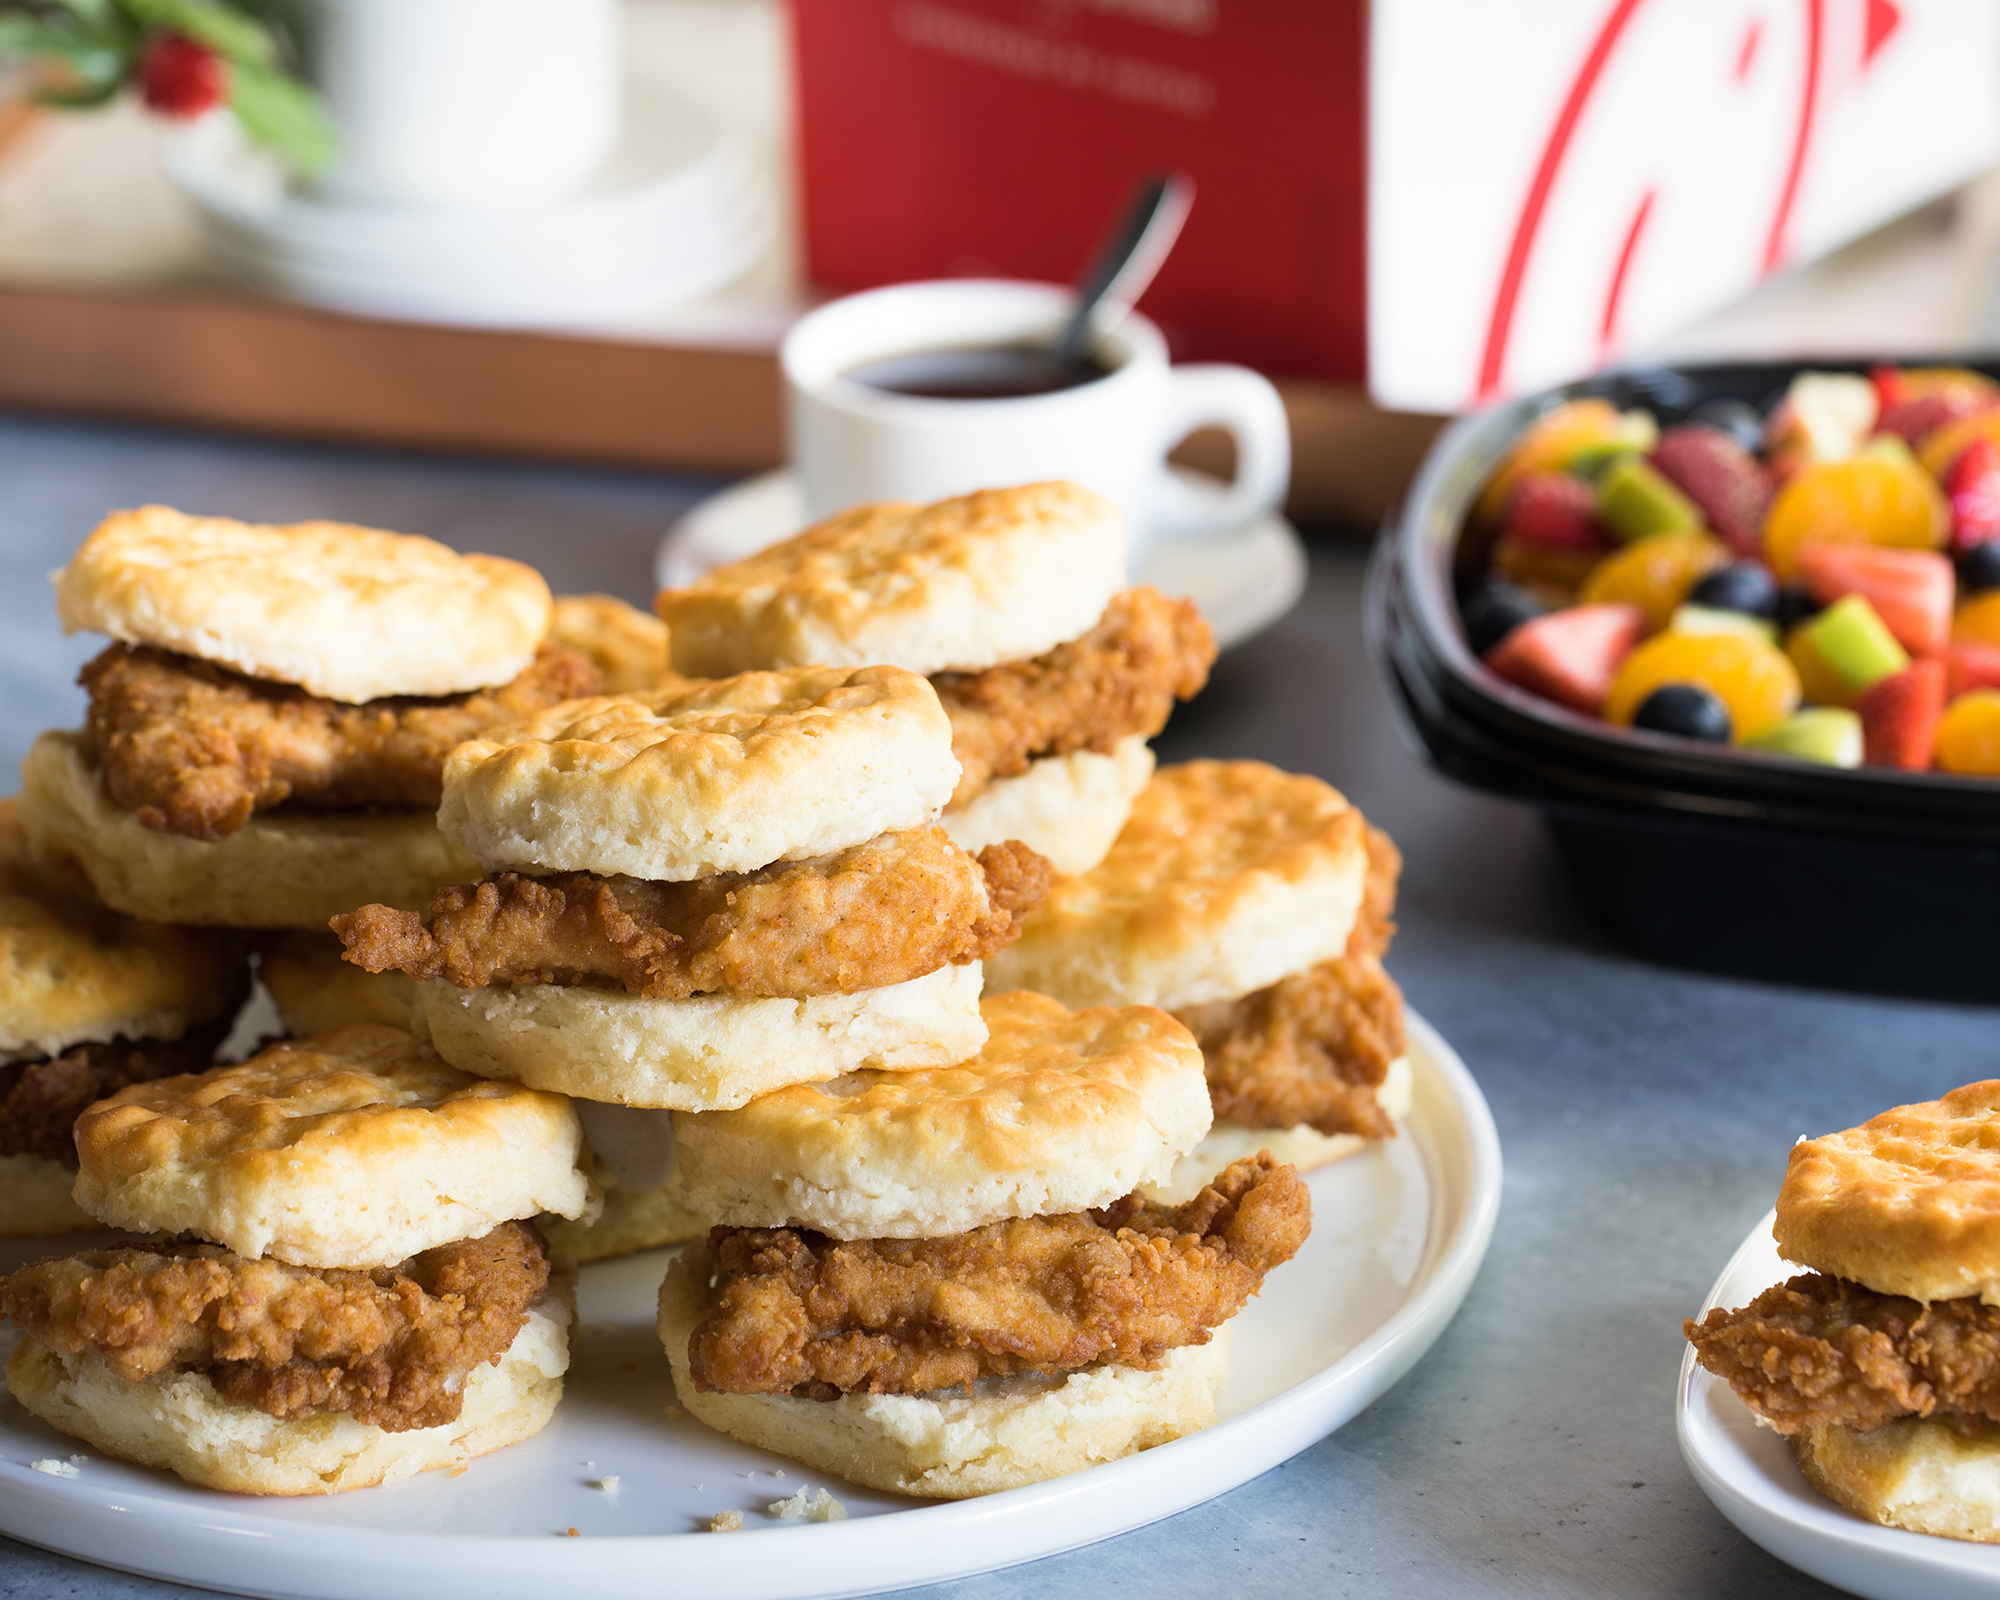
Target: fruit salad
1819, 582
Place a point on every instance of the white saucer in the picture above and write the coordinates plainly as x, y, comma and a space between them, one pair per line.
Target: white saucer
1243, 580
1401, 1231
677, 211
1750, 1473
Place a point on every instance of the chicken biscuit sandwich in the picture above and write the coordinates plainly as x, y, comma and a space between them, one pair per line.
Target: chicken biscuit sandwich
346, 1294
1881, 1361
1013, 602
266, 738
701, 894
1254, 904
941, 1283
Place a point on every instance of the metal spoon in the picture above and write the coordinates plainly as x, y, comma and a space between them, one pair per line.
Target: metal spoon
1126, 262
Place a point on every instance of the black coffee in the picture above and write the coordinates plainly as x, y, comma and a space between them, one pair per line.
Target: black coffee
977, 372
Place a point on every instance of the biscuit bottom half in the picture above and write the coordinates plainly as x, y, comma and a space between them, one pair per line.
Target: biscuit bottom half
35, 1199
281, 869
706, 1053
1913, 1473
1005, 1434
176, 1420
1303, 1146
1067, 808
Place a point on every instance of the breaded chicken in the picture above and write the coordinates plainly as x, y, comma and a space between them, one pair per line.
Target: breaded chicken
1817, 1350
895, 908
195, 749
1119, 679
1315, 1046
392, 1346
804, 1315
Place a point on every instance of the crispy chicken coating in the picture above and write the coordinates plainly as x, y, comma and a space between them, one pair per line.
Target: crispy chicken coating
1818, 1350
391, 1346
195, 749
1119, 679
805, 1315
895, 908
1315, 1046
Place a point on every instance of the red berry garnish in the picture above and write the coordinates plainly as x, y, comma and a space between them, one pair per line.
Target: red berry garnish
180, 78
1973, 485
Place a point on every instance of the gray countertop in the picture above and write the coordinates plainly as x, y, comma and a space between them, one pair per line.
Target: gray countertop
1645, 1113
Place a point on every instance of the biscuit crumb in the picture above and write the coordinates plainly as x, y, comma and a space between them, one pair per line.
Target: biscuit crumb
725, 1522
55, 1468
673, 1411
608, 1485
459, 1469
808, 1505
571, 1533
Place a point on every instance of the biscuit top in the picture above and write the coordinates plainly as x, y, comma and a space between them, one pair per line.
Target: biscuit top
351, 1148
347, 613
721, 776
72, 971
1061, 1111
959, 586
1908, 1203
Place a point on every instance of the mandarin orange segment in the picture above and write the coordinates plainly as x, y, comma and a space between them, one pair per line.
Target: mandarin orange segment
1968, 739
1655, 574
1943, 445
1753, 679
1978, 620
1547, 446
1881, 499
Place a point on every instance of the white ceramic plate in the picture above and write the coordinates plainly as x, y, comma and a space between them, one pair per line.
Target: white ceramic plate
1398, 1234
1243, 580
1750, 1474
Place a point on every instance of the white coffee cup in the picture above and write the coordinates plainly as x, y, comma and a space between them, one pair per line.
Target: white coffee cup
852, 443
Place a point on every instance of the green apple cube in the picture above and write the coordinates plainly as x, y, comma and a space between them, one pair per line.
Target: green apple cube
1825, 734
1712, 619
1633, 501
1855, 642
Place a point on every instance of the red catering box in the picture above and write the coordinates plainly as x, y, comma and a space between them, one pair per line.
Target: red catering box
1443, 199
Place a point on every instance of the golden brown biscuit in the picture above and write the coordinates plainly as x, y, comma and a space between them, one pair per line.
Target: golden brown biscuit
1006, 1433
283, 869
344, 612
1068, 808
621, 641
714, 777
356, 1148
958, 586
1228, 876
176, 1420
72, 971
1060, 1111
712, 1052
316, 991
1908, 1203
1913, 1473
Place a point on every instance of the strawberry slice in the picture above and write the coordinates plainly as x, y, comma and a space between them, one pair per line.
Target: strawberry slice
1912, 420
1720, 477
1891, 387
1973, 486
1555, 510
1900, 716
1570, 656
1971, 666
1911, 590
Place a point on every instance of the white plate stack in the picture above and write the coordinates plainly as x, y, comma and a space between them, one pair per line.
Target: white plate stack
679, 210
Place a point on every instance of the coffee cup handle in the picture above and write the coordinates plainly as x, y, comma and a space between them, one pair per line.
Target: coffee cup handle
1217, 395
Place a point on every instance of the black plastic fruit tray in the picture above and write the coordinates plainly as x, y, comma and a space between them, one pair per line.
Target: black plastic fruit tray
1725, 860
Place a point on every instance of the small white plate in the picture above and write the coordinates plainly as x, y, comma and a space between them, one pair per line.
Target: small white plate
1750, 1473
1243, 580
1399, 1231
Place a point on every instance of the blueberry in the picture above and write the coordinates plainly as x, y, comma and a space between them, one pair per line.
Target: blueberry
1795, 604
1685, 709
1741, 422
1979, 568
1741, 586
1494, 610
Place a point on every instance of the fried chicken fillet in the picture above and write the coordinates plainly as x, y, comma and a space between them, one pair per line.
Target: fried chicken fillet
392, 1346
1315, 1046
1119, 679
1817, 1350
195, 749
883, 912
804, 1315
